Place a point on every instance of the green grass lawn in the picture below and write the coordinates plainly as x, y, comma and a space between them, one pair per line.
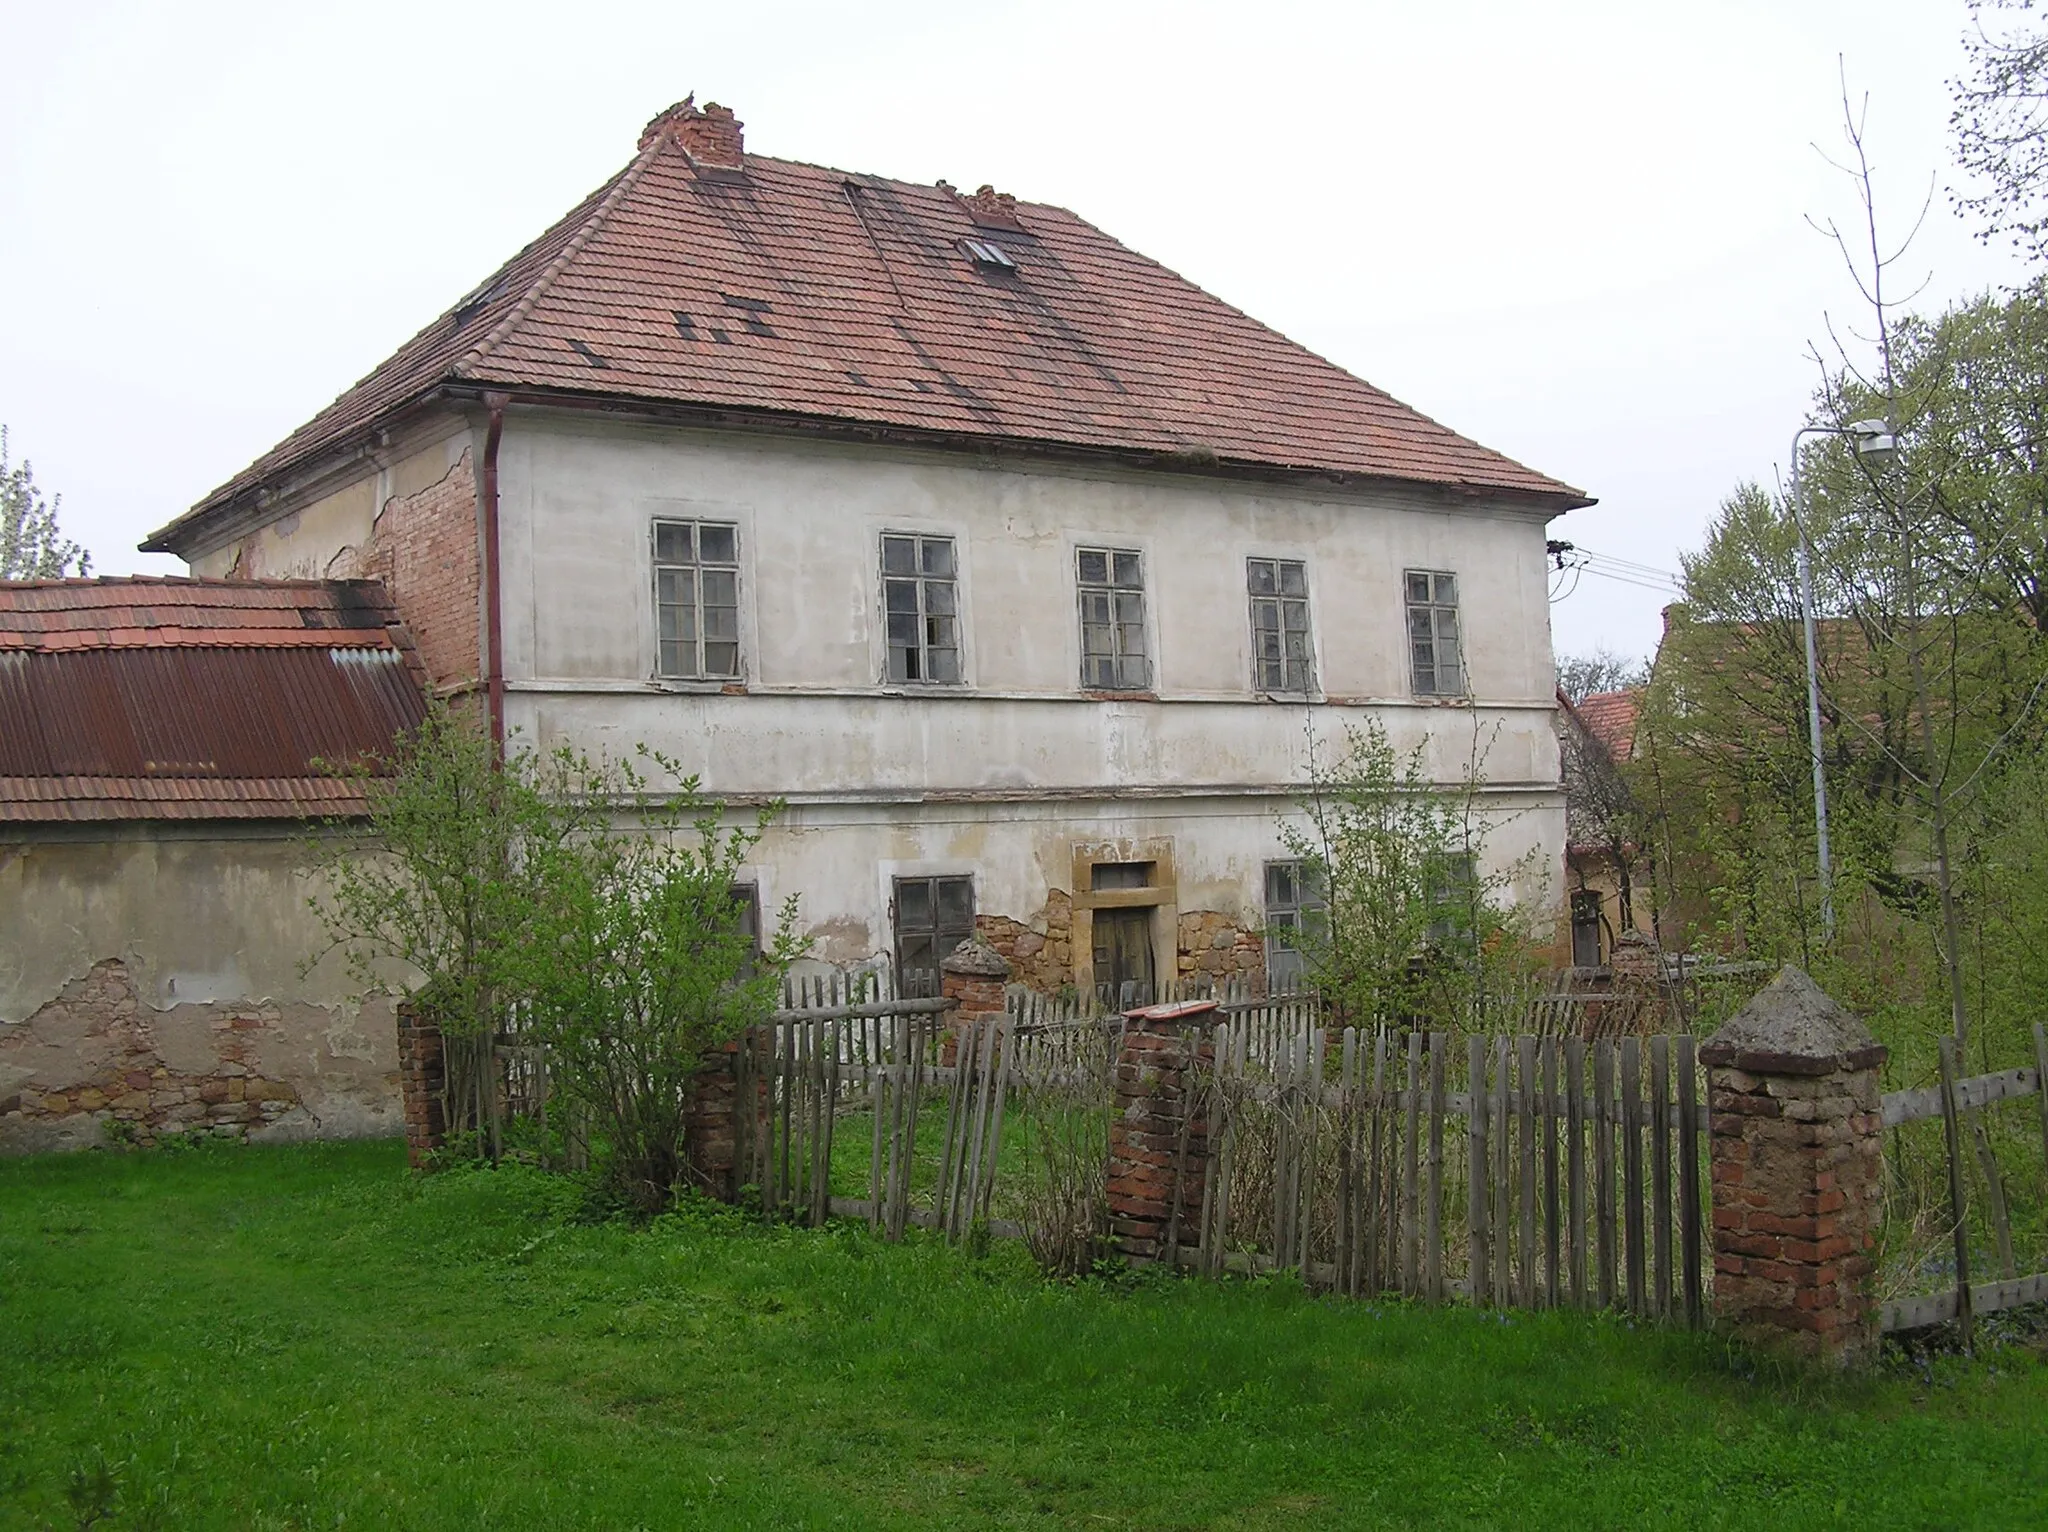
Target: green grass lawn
311, 1337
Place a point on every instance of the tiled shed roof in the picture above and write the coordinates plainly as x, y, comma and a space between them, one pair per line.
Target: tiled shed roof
140, 698
1610, 717
786, 290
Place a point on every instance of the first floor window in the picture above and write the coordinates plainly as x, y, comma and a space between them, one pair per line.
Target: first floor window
921, 605
1434, 650
1111, 582
1451, 891
746, 899
697, 599
1280, 653
1586, 928
933, 916
1294, 902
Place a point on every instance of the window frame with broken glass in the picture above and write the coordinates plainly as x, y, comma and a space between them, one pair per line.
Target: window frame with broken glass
694, 592
1283, 653
921, 628
1116, 652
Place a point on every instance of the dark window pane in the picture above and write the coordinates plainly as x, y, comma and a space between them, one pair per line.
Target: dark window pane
1094, 566
1127, 572
903, 628
672, 661
721, 587
721, 622
1263, 583
899, 555
717, 543
900, 595
1447, 590
914, 902
672, 542
721, 659
1418, 587
1130, 607
945, 664
956, 904
1293, 579
938, 556
938, 596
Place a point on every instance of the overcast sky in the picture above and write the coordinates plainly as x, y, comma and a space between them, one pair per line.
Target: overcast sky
1573, 231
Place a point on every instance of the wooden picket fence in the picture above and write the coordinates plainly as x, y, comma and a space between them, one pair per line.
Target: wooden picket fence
1970, 1162
1575, 1175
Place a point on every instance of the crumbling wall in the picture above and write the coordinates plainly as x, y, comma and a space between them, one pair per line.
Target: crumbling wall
1040, 951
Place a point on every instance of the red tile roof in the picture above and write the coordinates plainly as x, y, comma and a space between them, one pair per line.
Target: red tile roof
1610, 717
791, 291
139, 698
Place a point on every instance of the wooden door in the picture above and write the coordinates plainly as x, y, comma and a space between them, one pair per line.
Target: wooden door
1123, 956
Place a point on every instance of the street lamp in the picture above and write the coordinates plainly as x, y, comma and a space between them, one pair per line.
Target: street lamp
1875, 442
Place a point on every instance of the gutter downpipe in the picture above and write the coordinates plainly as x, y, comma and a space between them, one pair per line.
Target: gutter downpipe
494, 626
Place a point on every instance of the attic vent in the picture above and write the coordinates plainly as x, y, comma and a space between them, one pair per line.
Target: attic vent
587, 354
987, 253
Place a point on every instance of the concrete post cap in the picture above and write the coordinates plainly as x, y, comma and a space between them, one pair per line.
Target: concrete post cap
1792, 1027
975, 959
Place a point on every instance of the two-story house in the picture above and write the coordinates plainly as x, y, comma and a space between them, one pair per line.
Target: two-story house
1024, 570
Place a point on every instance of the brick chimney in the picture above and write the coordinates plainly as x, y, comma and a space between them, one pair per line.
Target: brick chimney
991, 209
710, 134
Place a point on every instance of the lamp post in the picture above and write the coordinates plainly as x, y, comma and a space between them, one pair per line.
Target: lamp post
1875, 442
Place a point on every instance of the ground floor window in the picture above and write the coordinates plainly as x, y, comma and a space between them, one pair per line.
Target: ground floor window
1294, 897
933, 916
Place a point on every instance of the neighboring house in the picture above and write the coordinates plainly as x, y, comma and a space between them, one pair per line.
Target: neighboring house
1608, 891
161, 745
1018, 566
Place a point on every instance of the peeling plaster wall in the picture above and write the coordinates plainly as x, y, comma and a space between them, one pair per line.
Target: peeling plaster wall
150, 974
1002, 778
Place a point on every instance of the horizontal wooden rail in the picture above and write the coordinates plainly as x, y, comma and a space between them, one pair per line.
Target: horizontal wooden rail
873, 1011
1902, 1106
1985, 1298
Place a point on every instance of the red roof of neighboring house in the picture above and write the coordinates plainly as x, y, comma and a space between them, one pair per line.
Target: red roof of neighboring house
141, 698
703, 278
1610, 717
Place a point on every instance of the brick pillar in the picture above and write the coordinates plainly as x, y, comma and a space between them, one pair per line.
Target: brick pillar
422, 1077
711, 1124
1154, 1089
973, 976
1797, 1171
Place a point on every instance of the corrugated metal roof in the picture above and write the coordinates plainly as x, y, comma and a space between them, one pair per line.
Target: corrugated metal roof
201, 705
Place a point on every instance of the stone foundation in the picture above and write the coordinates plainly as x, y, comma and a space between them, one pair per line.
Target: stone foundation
96, 1055
1040, 951
1213, 946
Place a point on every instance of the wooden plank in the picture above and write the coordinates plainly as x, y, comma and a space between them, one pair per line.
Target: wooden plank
1603, 1169
1411, 1191
1959, 1208
1432, 1215
1903, 1106
1479, 1261
1660, 1176
1632, 1173
1502, 1129
1376, 1247
1525, 1111
878, 1094
1347, 1177
1553, 1289
2041, 1080
1690, 1216
1985, 1298
1315, 1047
1205, 1237
1575, 1163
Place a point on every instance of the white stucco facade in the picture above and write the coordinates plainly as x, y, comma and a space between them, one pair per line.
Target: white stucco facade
1017, 775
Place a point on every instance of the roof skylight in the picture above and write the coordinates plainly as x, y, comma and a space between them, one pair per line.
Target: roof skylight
988, 253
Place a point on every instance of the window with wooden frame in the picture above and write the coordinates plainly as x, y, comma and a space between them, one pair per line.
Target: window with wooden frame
921, 608
933, 916
1111, 583
697, 600
1435, 650
1280, 646
1294, 903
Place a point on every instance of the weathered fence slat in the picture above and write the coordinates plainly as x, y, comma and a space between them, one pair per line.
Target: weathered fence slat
1603, 1165
1478, 1182
1503, 1176
1575, 1157
1526, 1111
1958, 1206
1689, 1215
1660, 1176
1411, 1193
1553, 1292
1433, 1223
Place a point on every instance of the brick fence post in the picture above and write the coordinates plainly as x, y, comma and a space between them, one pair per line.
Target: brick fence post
1796, 1146
711, 1123
1163, 1048
422, 1080
973, 976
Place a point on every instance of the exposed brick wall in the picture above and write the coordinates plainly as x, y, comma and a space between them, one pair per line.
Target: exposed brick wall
424, 547
97, 1055
1214, 946
1040, 951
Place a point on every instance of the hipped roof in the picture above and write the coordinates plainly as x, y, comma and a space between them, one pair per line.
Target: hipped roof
788, 291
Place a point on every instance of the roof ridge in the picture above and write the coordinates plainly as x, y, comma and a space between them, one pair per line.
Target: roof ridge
502, 330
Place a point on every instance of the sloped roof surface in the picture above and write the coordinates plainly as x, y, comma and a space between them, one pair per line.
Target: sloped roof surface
141, 698
796, 290
1610, 717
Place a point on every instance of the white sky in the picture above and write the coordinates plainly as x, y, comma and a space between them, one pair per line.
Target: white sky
1573, 231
